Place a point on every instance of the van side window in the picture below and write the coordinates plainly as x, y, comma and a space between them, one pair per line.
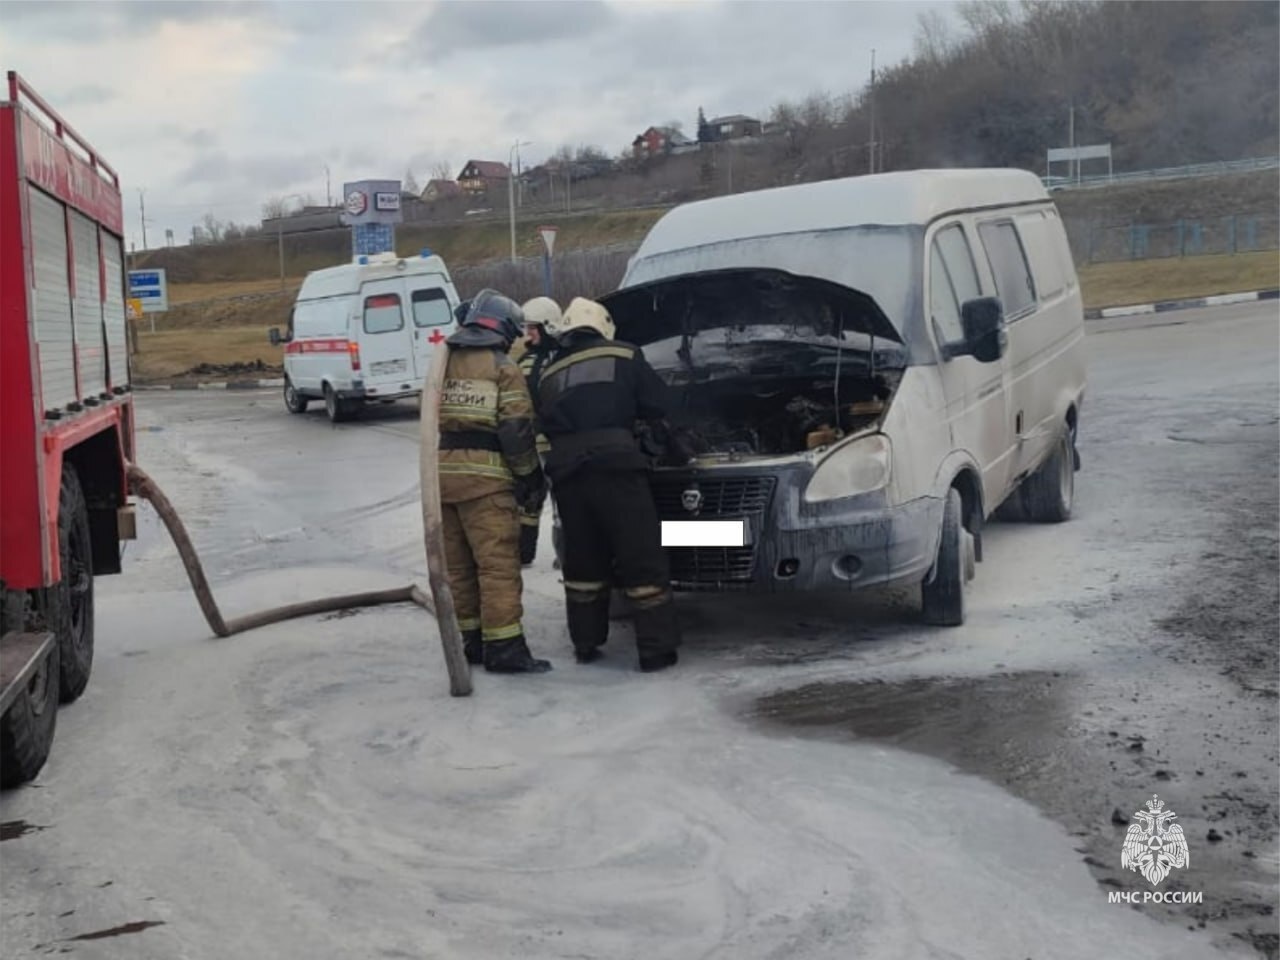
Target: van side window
431, 308
382, 313
1046, 263
1009, 267
953, 279
320, 318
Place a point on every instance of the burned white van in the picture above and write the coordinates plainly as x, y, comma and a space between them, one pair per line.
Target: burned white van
867, 369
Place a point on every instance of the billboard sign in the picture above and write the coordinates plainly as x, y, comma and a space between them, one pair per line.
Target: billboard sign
371, 201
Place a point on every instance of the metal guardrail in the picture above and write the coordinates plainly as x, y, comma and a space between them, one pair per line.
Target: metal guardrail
1163, 173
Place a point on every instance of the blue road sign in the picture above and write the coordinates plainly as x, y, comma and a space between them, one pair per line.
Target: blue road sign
151, 287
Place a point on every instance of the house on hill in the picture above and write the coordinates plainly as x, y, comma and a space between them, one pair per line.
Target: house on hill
735, 126
661, 141
440, 190
481, 176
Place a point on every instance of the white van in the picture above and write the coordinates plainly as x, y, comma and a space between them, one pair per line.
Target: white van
867, 369
364, 331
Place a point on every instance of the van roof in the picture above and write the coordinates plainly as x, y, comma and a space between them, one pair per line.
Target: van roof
882, 199
347, 277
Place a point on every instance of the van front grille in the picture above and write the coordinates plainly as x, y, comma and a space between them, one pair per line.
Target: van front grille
721, 497
710, 566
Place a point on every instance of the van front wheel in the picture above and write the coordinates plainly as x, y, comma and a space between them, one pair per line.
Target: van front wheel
294, 401
943, 595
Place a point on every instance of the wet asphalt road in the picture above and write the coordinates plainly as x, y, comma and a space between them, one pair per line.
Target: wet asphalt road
821, 776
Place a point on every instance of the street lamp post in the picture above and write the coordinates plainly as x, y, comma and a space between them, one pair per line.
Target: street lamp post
280, 231
512, 155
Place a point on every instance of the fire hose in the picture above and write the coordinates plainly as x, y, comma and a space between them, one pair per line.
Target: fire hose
439, 604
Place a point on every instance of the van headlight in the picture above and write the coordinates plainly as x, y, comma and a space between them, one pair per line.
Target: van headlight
859, 467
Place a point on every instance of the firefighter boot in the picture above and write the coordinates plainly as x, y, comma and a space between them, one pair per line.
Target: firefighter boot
472, 648
512, 656
657, 629
587, 610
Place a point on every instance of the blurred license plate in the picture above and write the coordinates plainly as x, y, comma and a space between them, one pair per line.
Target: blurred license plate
705, 533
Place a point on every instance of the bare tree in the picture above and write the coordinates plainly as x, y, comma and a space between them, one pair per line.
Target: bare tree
442, 170
213, 228
410, 184
274, 208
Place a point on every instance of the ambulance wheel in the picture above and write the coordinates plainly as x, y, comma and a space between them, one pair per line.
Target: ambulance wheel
71, 598
294, 401
335, 408
27, 727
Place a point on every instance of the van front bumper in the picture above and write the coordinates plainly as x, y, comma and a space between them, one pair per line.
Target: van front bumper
842, 545
852, 548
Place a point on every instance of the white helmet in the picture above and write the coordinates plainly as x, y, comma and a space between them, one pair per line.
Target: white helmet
542, 312
583, 313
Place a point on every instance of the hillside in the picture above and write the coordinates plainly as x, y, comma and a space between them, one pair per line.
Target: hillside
460, 245
253, 263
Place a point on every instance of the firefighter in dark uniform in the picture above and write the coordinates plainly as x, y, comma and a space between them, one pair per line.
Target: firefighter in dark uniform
541, 316
589, 399
488, 470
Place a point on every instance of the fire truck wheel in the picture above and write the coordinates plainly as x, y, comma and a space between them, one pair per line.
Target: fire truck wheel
26, 729
71, 599
294, 402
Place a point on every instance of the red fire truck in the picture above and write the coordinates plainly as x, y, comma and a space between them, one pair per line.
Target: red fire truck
66, 416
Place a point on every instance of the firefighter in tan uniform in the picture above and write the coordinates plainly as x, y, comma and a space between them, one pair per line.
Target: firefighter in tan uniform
541, 316
488, 470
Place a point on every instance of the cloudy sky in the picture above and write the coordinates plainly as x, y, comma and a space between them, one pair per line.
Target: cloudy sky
214, 107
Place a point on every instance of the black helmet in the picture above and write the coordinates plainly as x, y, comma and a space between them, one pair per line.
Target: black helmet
460, 311
490, 310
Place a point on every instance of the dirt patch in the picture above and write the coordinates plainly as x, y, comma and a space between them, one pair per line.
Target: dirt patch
1032, 734
1230, 613
13, 829
168, 354
1150, 281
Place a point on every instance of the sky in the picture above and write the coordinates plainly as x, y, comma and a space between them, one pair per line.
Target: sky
214, 107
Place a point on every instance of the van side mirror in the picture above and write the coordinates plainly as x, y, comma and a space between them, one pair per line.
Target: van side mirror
985, 338
274, 336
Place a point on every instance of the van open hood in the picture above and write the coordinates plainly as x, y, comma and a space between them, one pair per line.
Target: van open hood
743, 303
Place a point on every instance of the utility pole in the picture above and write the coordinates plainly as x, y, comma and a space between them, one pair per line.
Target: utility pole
871, 117
513, 158
328, 191
142, 215
1073, 171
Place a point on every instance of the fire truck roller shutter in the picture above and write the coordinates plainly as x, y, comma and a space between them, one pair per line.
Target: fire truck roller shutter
113, 309
52, 300
91, 351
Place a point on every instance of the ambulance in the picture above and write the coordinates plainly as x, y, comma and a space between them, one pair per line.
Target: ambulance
364, 331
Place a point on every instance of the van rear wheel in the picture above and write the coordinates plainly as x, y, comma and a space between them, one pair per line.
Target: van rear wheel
335, 408
294, 401
1049, 493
